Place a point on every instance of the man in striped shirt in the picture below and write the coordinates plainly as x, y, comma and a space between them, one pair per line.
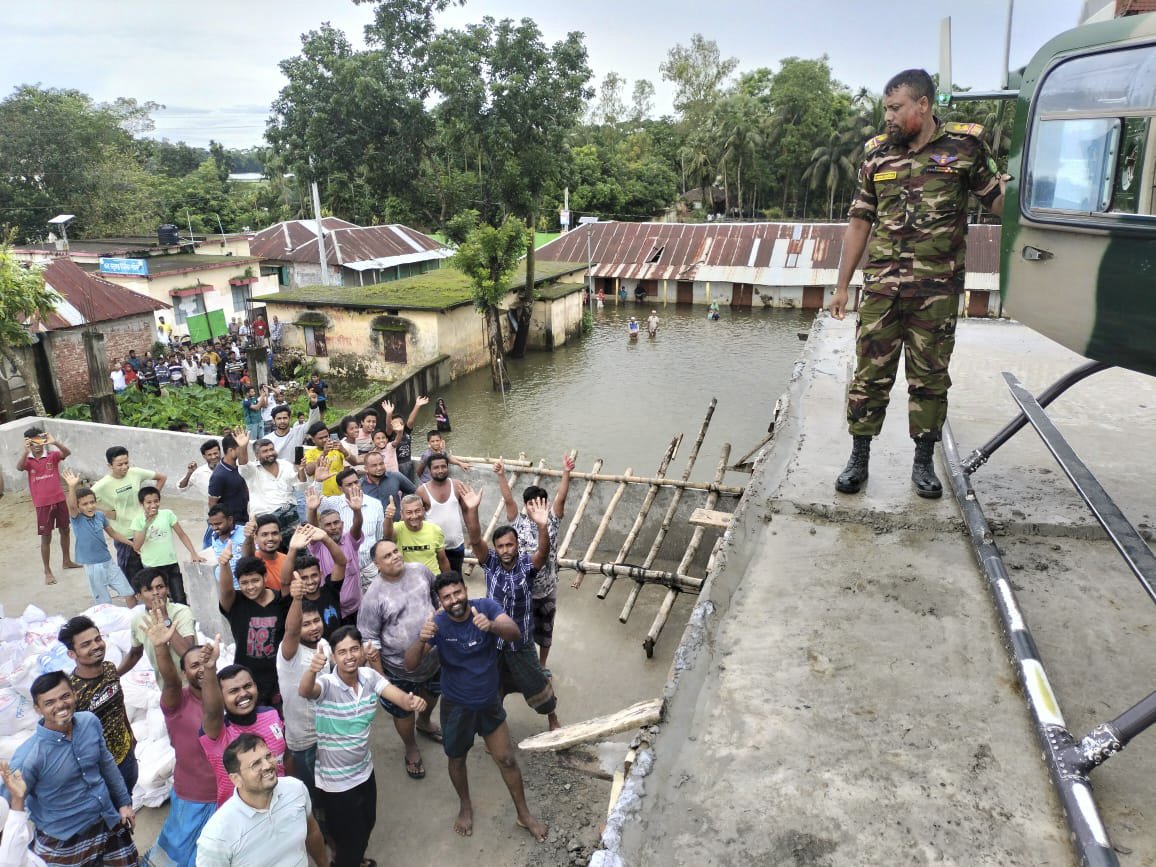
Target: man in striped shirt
346, 703
509, 582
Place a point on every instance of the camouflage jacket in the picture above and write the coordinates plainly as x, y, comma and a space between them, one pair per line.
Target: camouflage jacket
918, 205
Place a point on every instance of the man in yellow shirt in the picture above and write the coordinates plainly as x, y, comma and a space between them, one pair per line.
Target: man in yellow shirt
419, 540
324, 460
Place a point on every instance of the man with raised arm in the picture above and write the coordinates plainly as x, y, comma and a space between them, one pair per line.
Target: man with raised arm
509, 582
194, 796
230, 708
545, 591
465, 632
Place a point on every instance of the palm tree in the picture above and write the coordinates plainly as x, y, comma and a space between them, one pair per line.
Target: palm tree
738, 122
831, 166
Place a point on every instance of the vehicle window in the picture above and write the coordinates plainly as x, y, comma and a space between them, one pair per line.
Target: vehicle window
1122, 81
1072, 164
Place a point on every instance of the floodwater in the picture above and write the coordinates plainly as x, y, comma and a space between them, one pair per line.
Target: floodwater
609, 397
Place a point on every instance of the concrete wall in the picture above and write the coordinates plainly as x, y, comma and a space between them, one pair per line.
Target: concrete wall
164, 451
556, 321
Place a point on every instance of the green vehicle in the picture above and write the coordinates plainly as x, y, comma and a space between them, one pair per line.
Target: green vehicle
1077, 264
1078, 248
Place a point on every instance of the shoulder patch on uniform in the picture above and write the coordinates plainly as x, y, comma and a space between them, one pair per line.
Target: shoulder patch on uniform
885, 176
874, 143
972, 129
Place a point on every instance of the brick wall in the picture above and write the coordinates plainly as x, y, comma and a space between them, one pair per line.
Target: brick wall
66, 351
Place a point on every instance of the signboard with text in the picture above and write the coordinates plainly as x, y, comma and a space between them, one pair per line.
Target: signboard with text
138, 267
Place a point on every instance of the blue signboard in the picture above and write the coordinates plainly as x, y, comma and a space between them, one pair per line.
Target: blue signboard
139, 267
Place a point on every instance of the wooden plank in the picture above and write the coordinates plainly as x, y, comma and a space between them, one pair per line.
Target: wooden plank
711, 518
644, 713
616, 791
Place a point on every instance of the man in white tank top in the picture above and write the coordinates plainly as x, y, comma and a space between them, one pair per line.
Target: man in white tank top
440, 496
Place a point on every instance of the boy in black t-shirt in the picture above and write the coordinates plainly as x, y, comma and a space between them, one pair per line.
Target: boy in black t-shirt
256, 618
301, 575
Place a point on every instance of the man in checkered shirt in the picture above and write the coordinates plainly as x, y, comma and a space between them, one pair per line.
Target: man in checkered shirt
509, 582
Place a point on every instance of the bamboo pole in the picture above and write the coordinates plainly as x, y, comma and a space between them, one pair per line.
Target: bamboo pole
687, 583
578, 514
664, 528
577, 582
628, 543
723, 490
469, 563
663, 614
520, 461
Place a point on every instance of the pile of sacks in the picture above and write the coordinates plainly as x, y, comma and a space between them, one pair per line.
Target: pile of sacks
28, 649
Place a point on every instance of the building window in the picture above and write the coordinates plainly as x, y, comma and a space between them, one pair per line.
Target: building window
315, 341
186, 306
394, 345
242, 295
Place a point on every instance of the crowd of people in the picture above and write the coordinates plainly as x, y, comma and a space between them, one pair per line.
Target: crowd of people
220, 362
338, 555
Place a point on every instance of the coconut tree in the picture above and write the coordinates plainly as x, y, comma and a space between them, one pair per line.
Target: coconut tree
831, 166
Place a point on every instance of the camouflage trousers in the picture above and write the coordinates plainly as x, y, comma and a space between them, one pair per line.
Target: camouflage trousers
924, 330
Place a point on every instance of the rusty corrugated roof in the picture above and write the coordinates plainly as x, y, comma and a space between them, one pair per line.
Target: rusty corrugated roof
744, 252
345, 243
87, 298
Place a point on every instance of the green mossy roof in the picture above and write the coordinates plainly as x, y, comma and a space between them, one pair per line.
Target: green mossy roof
442, 289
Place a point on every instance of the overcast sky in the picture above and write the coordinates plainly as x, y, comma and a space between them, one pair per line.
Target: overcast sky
213, 63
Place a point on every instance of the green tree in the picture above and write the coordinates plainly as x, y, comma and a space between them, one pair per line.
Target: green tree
641, 101
832, 166
23, 297
698, 72
519, 100
62, 152
808, 104
489, 256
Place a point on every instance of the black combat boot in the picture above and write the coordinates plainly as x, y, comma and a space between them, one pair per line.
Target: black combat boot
851, 480
923, 470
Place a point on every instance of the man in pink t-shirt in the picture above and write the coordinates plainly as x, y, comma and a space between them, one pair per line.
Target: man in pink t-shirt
41, 460
229, 709
194, 796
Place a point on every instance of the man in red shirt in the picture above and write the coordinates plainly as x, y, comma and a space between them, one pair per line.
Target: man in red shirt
42, 464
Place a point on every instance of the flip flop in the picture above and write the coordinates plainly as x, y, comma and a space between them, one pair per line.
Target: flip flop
415, 769
432, 734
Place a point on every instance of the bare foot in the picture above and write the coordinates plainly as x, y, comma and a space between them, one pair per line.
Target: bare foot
68, 564
464, 824
49, 578
538, 830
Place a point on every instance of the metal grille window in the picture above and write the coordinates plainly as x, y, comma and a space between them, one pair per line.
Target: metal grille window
315, 341
393, 343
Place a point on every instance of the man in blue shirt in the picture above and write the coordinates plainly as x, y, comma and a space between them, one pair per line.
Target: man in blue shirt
466, 633
76, 796
510, 582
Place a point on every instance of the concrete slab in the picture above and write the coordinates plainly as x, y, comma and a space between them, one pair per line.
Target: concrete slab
842, 695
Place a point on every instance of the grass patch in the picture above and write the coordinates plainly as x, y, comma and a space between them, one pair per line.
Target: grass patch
434, 290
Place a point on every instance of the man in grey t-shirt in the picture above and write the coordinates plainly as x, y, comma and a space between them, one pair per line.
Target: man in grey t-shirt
394, 607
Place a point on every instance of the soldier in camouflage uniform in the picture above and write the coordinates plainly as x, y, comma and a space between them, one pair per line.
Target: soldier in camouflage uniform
910, 214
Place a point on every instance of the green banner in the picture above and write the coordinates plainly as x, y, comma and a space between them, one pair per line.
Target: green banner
206, 326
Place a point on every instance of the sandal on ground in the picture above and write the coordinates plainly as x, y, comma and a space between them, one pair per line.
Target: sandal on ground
432, 734
415, 769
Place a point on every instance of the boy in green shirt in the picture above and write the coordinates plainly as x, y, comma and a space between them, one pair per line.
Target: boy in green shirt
152, 538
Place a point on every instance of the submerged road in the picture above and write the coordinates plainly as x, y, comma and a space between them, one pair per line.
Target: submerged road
842, 695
